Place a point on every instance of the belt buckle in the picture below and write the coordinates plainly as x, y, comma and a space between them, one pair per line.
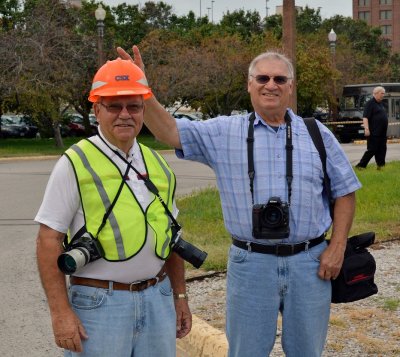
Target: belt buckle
146, 283
137, 283
284, 249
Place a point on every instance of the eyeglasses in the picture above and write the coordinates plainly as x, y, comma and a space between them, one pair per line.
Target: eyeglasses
264, 79
117, 108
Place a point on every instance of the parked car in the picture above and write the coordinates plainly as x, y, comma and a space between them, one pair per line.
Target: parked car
76, 127
17, 126
190, 116
32, 128
351, 127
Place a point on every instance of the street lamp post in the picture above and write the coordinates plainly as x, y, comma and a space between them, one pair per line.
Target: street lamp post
100, 15
332, 44
212, 11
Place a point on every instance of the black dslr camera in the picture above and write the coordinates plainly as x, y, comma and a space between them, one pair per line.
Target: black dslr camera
80, 252
186, 250
271, 220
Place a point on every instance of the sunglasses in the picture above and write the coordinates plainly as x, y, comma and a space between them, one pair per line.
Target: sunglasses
264, 79
117, 108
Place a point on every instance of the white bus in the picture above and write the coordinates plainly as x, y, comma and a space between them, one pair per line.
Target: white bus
352, 104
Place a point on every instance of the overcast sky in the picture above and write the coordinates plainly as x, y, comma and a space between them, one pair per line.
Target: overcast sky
329, 8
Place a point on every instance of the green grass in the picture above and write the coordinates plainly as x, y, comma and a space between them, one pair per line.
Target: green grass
201, 217
46, 147
378, 201
378, 207
391, 304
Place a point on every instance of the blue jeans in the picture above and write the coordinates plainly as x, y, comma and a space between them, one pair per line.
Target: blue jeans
259, 286
126, 324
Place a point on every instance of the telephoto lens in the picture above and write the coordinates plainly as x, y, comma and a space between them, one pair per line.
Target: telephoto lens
70, 262
79, 252
188, 251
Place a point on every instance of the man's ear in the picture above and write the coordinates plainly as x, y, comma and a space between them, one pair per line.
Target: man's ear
96, 108
291, 86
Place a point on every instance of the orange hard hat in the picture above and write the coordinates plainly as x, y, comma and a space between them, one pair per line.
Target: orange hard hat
119, 77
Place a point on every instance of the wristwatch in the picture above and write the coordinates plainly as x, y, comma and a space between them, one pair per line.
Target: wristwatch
181, 296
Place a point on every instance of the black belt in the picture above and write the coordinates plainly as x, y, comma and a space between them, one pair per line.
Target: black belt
282, 250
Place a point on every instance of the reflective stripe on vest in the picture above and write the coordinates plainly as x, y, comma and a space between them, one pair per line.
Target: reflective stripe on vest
125, 231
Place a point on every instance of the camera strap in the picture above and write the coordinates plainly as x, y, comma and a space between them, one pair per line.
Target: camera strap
83, 230
289, 154
316, 137
149, 185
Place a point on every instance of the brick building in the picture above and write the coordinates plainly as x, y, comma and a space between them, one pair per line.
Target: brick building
381, 13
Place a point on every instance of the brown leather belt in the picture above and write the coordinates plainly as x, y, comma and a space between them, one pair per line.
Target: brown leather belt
105, 284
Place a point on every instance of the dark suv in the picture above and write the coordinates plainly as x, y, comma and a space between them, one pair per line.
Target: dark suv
17, 126
351, 126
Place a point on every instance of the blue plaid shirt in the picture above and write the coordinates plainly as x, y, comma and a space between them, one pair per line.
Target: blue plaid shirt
221, 144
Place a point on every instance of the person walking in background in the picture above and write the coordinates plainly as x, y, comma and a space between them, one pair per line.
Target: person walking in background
375, 122
278, 215
121, 302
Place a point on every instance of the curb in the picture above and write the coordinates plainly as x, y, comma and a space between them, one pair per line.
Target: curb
204, 341
389, 141
30, 158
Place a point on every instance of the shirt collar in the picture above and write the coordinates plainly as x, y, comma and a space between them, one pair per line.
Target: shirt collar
295, 122
134, 151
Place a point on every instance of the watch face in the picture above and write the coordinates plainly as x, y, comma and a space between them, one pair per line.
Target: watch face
180, 296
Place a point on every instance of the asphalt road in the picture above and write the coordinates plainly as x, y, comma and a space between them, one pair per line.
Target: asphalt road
25, 327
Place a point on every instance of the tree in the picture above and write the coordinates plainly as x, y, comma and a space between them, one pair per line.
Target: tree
41, 61
157, 15
315, 74
210, 76
130, 25
245, 24
273, 25
308, 20
9, 12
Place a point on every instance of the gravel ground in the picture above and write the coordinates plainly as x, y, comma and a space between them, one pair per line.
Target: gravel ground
367, 328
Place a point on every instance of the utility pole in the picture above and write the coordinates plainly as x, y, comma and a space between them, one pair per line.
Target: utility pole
289, 42
266, 8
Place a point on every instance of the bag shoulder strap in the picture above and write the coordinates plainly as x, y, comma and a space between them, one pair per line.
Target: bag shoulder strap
316, 137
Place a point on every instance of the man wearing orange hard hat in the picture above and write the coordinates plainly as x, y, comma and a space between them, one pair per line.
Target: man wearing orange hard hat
107, 220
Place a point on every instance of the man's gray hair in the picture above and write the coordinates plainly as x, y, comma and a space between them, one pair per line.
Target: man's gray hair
271, 55
378, 89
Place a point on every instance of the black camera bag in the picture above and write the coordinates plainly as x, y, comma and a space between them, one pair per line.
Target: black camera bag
356, 278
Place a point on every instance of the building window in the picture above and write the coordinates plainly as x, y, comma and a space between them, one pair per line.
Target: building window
386, 29
385, 14
364, 15
364, 2
385, 2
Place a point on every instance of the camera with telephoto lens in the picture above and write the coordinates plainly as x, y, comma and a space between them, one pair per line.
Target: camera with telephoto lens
186, 250
271, 220
80, 252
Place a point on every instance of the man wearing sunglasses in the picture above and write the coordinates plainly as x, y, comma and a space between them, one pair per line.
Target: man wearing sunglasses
270, 180
126, 293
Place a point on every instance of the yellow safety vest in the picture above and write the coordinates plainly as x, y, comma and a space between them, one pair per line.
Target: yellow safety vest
124, 234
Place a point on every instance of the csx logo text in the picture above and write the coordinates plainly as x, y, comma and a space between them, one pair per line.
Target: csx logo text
124, 77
